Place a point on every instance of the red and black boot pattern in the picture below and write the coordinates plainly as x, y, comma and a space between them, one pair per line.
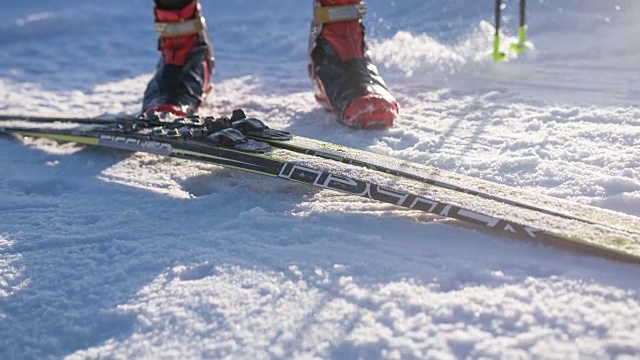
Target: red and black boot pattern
344, 77
182, 78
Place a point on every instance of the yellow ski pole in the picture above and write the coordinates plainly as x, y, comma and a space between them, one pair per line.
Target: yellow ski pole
497, 54
520, 46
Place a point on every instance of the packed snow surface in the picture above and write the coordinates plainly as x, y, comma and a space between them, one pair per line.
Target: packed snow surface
105, 254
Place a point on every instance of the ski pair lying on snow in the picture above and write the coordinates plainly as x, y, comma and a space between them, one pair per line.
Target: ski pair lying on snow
247, 144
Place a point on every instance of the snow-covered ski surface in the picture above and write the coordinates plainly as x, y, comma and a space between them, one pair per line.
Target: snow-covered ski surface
112, 255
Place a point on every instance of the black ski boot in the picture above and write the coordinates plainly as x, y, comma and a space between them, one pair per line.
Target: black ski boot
182, 78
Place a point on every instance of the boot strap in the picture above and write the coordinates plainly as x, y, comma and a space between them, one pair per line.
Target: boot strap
329, 14
182, 28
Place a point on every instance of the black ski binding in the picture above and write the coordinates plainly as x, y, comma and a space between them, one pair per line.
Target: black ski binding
223, 131
256, 128
184, 132
233, 138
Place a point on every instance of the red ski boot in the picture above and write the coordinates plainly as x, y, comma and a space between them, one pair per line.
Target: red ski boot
345, 80
182, 78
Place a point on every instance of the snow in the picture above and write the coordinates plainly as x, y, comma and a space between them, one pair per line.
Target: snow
117, 255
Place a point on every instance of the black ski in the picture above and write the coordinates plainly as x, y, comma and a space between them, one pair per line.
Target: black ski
224, 142
255, 129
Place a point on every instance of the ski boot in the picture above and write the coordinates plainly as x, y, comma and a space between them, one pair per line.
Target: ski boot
182, 78
345, 79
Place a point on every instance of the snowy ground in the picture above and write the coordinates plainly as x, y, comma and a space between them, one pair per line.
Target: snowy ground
111, 255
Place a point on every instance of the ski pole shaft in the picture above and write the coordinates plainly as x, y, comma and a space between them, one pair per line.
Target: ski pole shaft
519, 46
497, 54
51, 119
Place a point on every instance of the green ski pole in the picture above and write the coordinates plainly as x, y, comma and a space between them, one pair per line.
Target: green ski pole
497, 54
520, 46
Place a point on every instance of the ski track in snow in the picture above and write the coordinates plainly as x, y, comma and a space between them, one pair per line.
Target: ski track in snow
105, 254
